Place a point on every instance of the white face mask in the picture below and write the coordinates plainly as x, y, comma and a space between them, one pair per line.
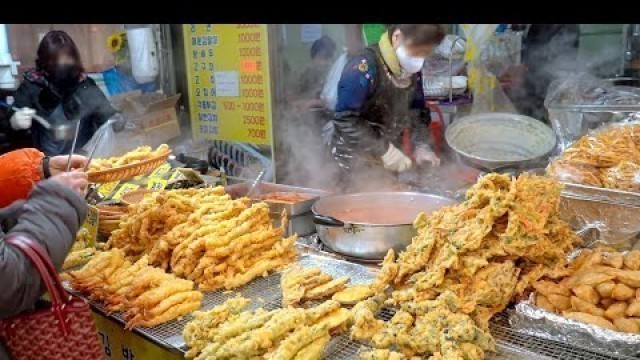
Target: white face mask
410, 64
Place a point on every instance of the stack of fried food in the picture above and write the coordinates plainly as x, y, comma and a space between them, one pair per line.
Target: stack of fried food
205, 236
304, 284
147, 295
609, 159
228, 332
466, 264
602, 288
81, 251
138, 154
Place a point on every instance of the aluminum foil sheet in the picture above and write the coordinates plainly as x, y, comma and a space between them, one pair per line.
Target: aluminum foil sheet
532, 320
608, 217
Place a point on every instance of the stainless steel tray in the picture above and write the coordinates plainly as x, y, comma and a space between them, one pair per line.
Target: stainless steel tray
293, 209
265, 292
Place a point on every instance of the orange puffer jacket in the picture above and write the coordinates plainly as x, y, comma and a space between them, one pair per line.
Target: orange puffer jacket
20, 170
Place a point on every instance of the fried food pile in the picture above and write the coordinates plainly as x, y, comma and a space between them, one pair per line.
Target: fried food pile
229, 332
609, 159
80, 252
602, 287
303, 284
138, 154
205, 236
146, 295
466, 264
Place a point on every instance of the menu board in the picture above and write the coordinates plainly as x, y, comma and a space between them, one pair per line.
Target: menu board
229, 84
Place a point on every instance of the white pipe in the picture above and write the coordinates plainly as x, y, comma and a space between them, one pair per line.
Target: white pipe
4, 42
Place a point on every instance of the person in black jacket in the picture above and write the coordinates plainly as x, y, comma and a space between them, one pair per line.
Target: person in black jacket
59, 90
380, 96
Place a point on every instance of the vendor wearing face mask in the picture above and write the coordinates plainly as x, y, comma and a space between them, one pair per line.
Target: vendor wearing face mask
59, 90
380, 96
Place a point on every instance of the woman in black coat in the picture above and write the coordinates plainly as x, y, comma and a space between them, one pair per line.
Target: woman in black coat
59, 90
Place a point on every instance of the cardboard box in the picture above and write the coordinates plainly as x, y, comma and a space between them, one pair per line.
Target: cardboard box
154, 113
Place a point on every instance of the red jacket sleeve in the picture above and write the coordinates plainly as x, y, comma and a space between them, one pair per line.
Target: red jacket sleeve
19, 171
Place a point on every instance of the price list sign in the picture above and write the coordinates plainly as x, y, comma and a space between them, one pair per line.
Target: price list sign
229, 84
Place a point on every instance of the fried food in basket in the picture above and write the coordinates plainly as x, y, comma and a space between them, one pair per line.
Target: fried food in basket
228, 332
301, 284
467, 263
609, 158
205, 236
147, 296
138, 154
599, 288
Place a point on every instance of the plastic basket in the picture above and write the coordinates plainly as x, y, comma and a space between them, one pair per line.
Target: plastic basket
129, 171
134, 197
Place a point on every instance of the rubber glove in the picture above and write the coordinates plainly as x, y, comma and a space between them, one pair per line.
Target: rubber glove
21, 119
395, 160
427, 156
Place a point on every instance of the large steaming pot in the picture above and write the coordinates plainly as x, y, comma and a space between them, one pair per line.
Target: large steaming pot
495, 141
383, 220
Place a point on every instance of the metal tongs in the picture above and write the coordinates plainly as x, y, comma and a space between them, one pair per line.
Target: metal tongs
92, 187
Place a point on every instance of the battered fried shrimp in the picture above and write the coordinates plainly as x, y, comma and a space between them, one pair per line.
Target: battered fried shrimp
149, 295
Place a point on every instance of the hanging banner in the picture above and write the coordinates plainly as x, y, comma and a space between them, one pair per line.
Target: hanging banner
229, 83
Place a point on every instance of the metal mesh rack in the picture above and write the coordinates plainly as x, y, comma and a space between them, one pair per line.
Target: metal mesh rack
265, 292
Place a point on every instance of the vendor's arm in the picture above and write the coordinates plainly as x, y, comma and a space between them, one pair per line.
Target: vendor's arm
354, 88
19, 171
51, 216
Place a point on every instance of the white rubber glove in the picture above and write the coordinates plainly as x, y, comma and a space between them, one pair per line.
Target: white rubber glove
425, 155
395, 160
21, 119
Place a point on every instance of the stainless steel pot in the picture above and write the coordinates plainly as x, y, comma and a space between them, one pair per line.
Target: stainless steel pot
371, 239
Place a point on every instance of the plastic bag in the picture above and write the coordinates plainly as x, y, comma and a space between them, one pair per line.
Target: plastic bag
485, 87
608, 157
330, 90
568, 94
108, 144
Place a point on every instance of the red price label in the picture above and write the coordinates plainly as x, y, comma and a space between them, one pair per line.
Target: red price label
248, 66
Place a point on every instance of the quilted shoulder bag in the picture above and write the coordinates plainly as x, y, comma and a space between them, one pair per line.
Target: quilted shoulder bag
62, 329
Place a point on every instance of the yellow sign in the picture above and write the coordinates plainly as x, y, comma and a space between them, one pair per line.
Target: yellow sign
229, 83
106, 189
91, 225
120, 344
125, 188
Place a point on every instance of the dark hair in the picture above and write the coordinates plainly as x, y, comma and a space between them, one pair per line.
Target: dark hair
323, 47
51, 46
419, 34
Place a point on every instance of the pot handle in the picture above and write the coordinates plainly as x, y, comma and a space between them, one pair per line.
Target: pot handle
326, 220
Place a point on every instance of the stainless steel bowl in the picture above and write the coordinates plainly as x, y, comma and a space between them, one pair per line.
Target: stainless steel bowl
371, 240
496, 140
